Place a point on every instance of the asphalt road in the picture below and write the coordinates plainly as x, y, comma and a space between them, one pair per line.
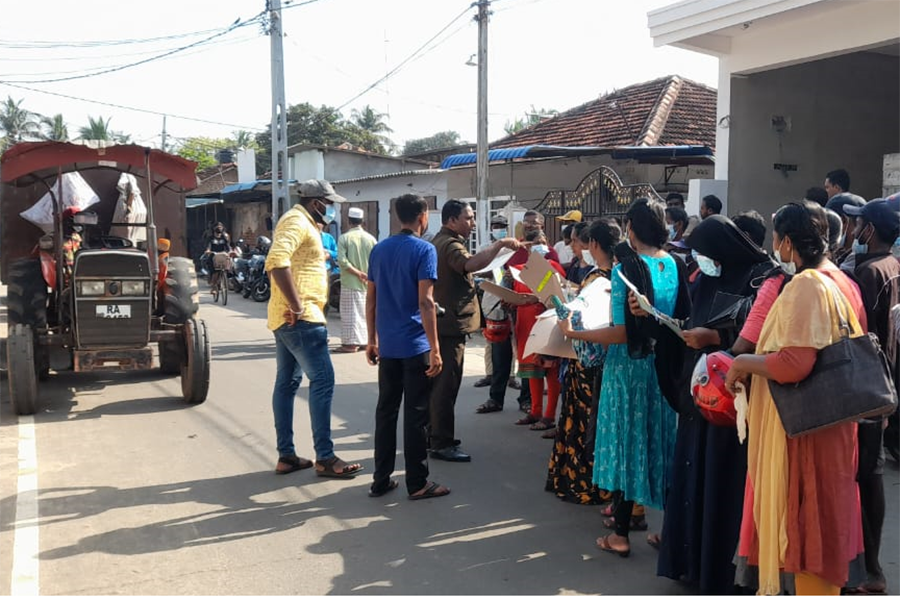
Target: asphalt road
139, 493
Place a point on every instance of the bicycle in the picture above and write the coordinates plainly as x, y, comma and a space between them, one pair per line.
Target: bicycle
221, 266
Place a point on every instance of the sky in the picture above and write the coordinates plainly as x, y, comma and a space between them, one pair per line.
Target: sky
547, 54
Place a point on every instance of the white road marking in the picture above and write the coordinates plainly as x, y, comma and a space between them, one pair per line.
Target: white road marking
25, 542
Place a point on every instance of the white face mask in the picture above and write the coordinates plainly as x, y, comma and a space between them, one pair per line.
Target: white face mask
541, 249
788, 267
588, 258
498, 234
707, 265
672, 232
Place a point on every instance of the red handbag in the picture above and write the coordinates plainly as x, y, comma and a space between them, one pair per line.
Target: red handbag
711, 397
496, 331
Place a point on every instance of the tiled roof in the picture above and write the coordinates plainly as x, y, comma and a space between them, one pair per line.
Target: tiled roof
667, 111
213, 179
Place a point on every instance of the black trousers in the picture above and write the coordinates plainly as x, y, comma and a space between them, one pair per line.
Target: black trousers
402, 379
446, 389
870, 477
501, 357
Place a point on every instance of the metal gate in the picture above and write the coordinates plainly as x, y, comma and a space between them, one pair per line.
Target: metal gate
600, 194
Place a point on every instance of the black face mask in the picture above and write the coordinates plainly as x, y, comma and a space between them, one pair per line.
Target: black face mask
220, 231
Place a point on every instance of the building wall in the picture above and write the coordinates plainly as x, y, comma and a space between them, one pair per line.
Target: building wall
249, 221
336, 165
843, 112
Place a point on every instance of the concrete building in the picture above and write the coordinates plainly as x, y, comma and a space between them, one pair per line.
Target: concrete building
805, 87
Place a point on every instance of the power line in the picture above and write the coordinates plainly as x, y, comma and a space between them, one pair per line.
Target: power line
51, 44
238, 23
131, 108
409, 58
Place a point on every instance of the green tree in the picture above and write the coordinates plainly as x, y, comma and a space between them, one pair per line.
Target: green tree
54, 129
244, 139
202, 150
443, 139
371, 130
531, 118
17, 123
98, 129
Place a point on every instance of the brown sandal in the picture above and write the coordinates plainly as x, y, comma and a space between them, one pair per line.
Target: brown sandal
328, 468
289, 464
543, 425
528, 419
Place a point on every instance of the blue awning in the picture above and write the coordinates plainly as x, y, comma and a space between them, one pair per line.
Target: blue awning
250, 191
197, 202
640, 153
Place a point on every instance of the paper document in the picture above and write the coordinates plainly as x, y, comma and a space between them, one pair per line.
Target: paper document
517, 275
543, 280
594, 304
547, 338
665, 319
499, 261
505, 294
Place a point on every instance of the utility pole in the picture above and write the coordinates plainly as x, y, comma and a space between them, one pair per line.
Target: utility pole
163, 144
482, 205
280, 194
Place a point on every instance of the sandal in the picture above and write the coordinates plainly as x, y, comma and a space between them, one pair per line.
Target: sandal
376, 493
528, 419
431, 490
550, 434
638, 523
654, 540
603, 544
328, 469
488, 407
289, 464
543, 425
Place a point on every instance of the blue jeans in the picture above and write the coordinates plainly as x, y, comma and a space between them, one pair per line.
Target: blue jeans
298, 349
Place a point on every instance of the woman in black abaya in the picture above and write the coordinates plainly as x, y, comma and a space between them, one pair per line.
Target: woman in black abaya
705, 501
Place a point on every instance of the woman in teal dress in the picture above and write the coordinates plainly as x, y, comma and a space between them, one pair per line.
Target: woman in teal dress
635, 425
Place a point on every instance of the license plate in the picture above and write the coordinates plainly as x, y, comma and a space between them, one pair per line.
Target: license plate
114, 311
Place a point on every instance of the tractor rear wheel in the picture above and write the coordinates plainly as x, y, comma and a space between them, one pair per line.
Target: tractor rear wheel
182, 296
21, 373
195, 368
26, 296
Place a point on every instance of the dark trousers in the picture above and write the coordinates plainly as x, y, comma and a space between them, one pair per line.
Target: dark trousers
446, 388
501, 357
870, 477
402, 379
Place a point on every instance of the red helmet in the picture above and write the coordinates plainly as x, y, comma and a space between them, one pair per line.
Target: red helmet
711, 397
71, 212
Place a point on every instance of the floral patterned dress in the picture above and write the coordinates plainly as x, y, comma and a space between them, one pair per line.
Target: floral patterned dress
635, 425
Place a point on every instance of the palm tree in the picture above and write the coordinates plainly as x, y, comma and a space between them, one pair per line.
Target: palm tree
97, 129
55, 129
370, 120
17, 123
244, 139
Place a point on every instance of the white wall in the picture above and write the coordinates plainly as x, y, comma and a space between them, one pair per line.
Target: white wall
308, 164
843, 113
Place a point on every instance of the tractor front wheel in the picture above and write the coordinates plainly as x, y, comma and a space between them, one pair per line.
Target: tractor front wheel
21, 369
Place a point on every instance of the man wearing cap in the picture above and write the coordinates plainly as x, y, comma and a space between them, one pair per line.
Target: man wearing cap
843, 256
562, 247
877, 225
296, 265
354, 248
454, 290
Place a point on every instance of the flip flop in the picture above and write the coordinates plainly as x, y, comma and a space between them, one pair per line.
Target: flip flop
432, 491
488, 407
349, 471
654, 541
543, 425
295, 463
603, 544
527, 420
391, 486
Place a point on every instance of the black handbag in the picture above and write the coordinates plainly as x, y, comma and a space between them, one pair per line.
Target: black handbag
851, 380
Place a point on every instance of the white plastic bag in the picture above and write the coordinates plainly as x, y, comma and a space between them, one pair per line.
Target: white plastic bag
75, 193
130, 208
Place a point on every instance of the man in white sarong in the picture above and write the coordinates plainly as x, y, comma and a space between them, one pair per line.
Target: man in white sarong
354, 248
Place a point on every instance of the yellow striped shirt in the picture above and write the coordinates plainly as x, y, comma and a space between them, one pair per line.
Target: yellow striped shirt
297, 244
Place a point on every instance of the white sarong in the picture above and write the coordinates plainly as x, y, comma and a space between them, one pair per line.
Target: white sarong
353, 318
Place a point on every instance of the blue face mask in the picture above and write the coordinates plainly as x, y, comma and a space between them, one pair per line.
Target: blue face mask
541, 249
707, 265
895, 249
860, 248
498, 234
329, 215
672, 232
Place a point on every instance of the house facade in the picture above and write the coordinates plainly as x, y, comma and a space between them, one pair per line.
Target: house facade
805, 87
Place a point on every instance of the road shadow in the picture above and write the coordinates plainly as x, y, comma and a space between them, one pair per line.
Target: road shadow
243, 351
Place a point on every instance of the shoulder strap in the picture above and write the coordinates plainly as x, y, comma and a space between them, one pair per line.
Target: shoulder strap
839, 301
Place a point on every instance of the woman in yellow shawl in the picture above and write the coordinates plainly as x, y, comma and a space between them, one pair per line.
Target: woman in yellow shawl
801, 504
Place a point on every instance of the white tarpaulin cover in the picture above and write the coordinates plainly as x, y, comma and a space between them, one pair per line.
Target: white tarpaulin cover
130, 208
75, 193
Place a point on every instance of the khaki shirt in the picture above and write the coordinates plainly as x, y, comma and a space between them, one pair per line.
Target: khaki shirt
297, 244
455, 288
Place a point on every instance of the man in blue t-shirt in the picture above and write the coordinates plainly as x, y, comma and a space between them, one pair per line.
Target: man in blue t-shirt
403, 342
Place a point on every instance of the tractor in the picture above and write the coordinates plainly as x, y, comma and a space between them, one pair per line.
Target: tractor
85, 292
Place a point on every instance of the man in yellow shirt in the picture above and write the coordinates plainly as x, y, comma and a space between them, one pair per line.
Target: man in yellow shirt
296, 266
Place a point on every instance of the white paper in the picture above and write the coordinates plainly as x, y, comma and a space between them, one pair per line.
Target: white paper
742, 407
547, 338
542, 279
517, 275
499, 261
665, 319
594, 303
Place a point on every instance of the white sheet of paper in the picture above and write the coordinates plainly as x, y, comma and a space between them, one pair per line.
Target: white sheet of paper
517, 275
595, 304
499, 261
540, 276
665, 319
547, 338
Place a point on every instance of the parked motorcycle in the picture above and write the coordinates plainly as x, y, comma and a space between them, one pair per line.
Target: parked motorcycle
257, 284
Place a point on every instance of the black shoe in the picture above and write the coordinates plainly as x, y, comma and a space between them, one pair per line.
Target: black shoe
451, 454
483, 382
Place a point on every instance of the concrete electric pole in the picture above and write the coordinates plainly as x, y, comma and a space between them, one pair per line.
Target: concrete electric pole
482, 205
280, 193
